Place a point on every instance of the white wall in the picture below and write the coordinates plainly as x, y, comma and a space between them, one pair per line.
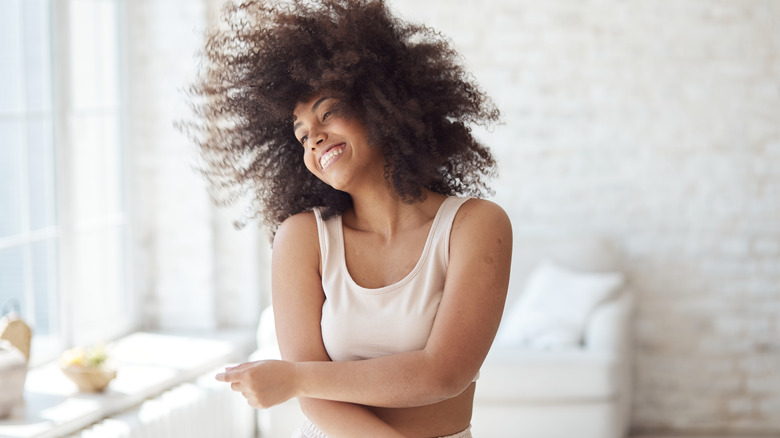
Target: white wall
656, 123
193, 270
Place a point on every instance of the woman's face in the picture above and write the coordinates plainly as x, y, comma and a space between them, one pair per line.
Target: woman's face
335, 147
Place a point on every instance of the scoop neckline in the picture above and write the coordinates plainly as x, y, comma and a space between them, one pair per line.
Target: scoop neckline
417, 267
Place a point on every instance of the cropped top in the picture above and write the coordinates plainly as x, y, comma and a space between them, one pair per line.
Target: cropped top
362, 323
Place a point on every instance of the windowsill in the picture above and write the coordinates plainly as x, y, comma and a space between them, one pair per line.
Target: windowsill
147, 364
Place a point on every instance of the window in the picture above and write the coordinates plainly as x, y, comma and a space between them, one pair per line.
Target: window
63, 222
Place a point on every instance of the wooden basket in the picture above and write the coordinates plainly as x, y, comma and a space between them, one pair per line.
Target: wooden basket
89, 379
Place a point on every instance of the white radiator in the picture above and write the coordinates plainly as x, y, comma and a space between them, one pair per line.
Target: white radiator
202, 409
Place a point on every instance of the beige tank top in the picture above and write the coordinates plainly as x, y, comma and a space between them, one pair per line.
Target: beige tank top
361, 323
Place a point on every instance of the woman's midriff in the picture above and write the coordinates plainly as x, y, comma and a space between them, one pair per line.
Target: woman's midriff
440, 419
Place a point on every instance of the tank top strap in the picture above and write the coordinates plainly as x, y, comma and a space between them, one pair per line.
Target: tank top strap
447, 212
330, 243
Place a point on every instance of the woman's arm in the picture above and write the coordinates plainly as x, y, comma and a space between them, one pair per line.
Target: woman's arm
297, 301
465, 325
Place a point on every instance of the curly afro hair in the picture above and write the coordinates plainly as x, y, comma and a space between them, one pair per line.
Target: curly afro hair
402, 81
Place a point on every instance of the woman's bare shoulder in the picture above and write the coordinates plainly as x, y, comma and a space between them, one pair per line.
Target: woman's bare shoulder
477, 214
480, 223
301, 227
297, 238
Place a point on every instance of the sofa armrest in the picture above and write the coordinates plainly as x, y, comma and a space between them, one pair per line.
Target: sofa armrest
266, 329
609, 327
267, 347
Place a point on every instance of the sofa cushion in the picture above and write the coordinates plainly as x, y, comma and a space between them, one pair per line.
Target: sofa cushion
531, 376
578, 252
555, 306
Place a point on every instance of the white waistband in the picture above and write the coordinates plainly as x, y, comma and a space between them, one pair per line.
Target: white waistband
309, 430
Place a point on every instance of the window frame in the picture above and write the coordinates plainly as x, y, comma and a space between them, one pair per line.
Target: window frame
65, 330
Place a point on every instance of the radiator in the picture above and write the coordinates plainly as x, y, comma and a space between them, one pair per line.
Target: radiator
201, 409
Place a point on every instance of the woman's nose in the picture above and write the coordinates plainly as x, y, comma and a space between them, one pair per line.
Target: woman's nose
318, 138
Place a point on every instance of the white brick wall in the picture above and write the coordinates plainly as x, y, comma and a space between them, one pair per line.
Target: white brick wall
656, 123
193, 270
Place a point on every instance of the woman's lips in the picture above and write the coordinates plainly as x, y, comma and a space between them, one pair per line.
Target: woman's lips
331, 155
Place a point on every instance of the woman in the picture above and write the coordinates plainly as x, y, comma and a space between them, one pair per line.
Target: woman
348, 129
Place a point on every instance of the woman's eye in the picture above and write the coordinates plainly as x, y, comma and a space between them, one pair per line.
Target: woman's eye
304, 138
326, 115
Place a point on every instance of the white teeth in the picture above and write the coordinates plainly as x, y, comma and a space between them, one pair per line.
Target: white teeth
329, 156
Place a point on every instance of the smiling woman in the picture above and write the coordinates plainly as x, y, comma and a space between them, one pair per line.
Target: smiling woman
388, 277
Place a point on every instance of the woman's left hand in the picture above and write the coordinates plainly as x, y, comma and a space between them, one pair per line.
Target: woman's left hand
264, 383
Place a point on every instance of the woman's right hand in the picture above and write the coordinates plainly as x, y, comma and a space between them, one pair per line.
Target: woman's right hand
263, 383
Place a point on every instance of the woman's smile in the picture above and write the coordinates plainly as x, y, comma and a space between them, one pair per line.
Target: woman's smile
331, 155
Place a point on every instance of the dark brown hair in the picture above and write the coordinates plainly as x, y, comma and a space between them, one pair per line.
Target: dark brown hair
403, 81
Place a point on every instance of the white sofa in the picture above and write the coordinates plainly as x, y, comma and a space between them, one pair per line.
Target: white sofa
582, 392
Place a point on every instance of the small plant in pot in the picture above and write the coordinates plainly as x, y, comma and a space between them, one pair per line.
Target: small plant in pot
88, 368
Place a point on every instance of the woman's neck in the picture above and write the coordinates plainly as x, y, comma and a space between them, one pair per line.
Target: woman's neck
386, 214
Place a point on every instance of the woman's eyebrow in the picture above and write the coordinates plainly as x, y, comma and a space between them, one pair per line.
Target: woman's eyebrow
318, 102
313, 109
